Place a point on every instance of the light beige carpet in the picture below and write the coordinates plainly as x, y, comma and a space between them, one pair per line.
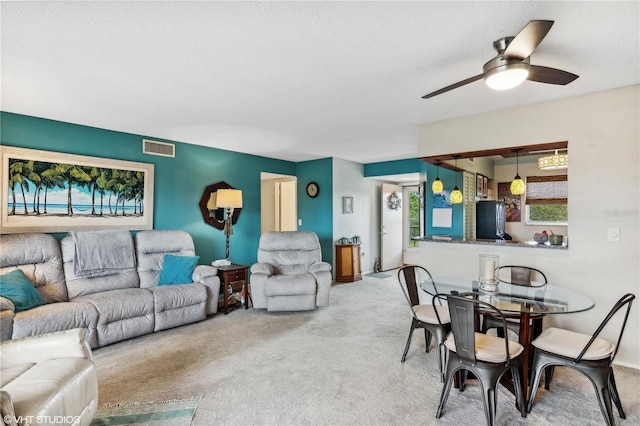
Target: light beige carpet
338, 365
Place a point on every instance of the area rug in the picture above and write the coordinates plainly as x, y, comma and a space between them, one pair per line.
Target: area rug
176, 412
378, 275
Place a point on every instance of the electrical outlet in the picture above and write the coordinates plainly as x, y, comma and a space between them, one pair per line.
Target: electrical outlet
299, 222
613, 235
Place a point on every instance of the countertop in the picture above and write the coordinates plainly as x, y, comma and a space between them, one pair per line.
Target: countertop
508, 243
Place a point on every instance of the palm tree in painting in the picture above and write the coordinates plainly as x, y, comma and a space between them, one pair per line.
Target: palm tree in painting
51, 178
102, 186
73, 175
18, 174
139, 190
94, 174
35, 176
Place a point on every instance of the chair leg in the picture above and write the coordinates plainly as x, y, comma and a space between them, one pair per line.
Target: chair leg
604, 399
490, 401
442, 360
427, 339
515, 374
536, 371
445, 391
548, 375
615, 396
406, 348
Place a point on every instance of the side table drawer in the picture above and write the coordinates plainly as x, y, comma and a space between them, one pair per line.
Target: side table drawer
237, 276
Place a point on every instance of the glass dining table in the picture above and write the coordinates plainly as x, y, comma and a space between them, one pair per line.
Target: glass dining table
516, 299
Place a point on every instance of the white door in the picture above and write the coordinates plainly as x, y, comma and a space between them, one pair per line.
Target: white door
391, 232
286, 206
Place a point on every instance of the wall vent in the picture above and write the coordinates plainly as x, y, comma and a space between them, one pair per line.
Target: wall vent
158, 148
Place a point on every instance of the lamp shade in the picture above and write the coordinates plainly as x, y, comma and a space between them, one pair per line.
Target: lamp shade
437, 186
552, 162
211, 204
229, 198
517, 186
456, 196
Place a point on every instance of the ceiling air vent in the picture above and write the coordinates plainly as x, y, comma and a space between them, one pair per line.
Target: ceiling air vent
158, 148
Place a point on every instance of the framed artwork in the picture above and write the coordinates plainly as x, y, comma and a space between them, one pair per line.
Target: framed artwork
45, 191
347, 204
482, 186
511, 201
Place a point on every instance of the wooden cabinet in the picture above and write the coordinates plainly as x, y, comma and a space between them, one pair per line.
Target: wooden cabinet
348, 263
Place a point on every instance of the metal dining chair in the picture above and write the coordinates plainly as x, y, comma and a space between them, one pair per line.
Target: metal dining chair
517, 275
486, 357
434, 319
588, 354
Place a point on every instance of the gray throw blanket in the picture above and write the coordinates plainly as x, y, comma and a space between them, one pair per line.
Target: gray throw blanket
98, 251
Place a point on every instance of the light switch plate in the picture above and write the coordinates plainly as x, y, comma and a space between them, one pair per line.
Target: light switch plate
613, 235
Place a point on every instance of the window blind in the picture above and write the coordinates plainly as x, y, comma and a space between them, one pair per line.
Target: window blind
547, 190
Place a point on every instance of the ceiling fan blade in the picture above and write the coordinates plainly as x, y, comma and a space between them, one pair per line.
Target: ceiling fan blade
527, 39
550, 75
453, 86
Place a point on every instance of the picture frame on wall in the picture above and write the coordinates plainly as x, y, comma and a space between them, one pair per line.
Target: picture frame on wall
511, 201
347, 205
481, 186
46, 191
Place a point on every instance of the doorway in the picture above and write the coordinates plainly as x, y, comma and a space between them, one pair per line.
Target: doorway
278, 203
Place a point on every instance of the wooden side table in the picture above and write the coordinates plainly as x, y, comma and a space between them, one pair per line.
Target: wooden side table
236, 276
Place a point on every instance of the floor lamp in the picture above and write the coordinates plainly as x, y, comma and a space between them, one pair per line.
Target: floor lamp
228, 199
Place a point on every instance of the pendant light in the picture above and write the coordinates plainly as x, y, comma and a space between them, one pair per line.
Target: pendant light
456, 194
517, 185
437, 185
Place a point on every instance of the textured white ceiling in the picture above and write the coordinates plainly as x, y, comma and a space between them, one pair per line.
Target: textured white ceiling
294, 80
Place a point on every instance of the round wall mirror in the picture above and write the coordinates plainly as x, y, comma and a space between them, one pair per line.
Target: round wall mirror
216, 217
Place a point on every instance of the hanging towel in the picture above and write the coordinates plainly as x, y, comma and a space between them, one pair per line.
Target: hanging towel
99, 251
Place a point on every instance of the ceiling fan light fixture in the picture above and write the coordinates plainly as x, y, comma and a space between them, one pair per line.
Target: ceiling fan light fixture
506, 77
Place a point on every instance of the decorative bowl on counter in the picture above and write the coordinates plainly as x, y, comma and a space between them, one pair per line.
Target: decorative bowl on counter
555, 239
541, 237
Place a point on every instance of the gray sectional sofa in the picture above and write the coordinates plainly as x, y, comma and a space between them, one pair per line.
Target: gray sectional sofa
115, 303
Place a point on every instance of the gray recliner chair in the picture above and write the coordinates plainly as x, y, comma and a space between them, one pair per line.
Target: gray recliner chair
290, 274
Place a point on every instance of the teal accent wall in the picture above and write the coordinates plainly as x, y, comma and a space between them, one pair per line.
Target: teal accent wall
412, 165
179, 181
448, 179
317, 213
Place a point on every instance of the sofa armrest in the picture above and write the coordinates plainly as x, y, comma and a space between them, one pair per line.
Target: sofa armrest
319, 267
203, 271
6, 304
6, 409
34, 349
262, 268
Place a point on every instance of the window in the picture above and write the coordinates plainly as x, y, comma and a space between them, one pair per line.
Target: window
547, 200
415, 214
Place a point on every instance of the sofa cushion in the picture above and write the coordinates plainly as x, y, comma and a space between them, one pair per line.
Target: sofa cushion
38, 256
291, 285
177, 269
113, 279
151, 246
16, 287
57, 317
122, 314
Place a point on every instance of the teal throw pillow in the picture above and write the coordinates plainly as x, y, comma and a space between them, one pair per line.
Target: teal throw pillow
16, 287
177, 269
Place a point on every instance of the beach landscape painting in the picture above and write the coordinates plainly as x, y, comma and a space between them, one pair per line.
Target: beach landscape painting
45, 191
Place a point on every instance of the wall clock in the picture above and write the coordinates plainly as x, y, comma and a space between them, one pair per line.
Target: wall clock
313, 189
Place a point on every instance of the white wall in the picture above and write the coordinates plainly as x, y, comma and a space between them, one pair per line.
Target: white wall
603, 132
348, 180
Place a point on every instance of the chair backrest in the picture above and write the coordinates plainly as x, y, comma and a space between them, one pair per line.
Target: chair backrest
462, 311
521, 275
290, 252
624, 300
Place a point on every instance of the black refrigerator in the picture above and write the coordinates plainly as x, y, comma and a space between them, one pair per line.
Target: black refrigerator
491, 220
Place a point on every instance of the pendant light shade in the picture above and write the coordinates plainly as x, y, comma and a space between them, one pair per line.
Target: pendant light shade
517, 185
437, 185
456, 194
553, 162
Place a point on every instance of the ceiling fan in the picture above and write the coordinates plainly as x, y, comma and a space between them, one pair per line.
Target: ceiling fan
511, 65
